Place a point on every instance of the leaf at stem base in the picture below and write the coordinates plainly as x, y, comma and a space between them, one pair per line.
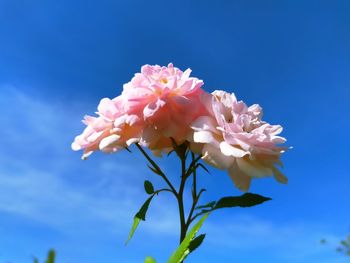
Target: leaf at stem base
184, 249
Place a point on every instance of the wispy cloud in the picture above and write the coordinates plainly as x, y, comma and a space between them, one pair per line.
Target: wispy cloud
43, 180
40, 178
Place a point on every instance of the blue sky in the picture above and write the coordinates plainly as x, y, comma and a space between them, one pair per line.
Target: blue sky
59, 58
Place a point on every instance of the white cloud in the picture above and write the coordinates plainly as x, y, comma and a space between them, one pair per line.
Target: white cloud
41, 179
37, 166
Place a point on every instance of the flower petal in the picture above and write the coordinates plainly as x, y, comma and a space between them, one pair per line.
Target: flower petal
239, 178
204, 123
152, 108
253, 168
203, 137
213, 156
105, 143
279, 176
230, 150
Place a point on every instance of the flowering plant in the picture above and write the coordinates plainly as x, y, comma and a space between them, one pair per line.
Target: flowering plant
167, 111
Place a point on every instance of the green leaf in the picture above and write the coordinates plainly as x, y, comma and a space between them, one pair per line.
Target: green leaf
183, 250
156, 171
143, 210
150, 260
195, 243
51, 257
36, 260
245, 200
208, 205
140, 215
133, 229
149, 187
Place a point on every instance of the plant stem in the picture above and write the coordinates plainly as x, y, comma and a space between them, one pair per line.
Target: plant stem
194, 194
185, 174
157, 168
183, 228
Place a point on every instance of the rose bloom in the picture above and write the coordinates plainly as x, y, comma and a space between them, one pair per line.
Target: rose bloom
168, 100
233, 137
112, 130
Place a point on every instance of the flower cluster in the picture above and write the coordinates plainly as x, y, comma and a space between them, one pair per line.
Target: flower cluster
163, 104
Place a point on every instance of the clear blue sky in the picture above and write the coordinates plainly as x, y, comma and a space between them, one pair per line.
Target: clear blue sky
59, 58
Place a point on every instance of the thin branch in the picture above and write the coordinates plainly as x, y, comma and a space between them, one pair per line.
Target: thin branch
157, 168
189, 219
194, 191
201, 213
163, 190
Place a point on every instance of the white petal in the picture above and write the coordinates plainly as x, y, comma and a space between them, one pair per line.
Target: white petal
94, 136
278, 139
152, 108
239, 178
204, 123
186, 74
86, 155
106, 142
131, 141
253, 168
213, 156
280, 177
120, 121
230, 150
203, 137
76, 146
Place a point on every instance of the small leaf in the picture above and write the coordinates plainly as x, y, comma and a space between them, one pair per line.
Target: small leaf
140, 215
133, 229
183, 250
208, 205
154, 170
195, 243
149, 187
204, 168
51, 257
143, 210
245, 200
36, 260
150, 260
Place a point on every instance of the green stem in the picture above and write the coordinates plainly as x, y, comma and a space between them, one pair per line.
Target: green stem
190, 219
157, 168
185, 174
194, 192
183, 229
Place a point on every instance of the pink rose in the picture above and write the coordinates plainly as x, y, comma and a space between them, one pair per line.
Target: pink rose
235, 138
112, 130
168, 100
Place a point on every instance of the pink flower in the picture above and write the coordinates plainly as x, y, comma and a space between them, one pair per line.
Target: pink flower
235, 138
112, 130
168, 100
